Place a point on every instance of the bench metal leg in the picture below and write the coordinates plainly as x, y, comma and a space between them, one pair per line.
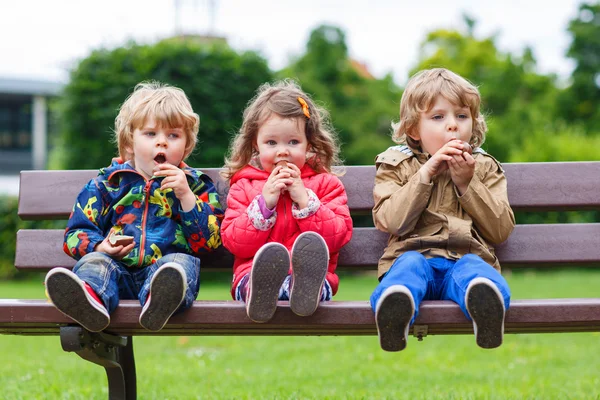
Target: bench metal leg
114, 353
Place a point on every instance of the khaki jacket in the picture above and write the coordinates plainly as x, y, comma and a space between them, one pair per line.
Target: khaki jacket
433, 218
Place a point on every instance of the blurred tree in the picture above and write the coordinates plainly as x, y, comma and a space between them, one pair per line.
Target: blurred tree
218, 81
580, 101
361, 106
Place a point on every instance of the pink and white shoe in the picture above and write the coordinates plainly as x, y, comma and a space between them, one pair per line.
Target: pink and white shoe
269, 269
310, 260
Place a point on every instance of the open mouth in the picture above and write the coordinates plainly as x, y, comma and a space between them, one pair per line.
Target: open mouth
160, 158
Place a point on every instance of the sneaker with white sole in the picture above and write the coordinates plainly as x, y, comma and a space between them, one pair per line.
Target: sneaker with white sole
269, 269
394, 311
485, 305
167, 291
69, 295
310, 261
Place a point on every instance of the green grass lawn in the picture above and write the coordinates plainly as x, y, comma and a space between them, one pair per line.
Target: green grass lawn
545, 366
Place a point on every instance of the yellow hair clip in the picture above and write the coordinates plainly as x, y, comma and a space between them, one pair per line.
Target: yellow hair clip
304, 107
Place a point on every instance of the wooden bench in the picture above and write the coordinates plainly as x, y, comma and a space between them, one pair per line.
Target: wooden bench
532, 187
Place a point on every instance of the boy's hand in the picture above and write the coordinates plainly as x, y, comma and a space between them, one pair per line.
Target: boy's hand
277, 181
115, 252
462, 168
438, 162
296, 189
175, 179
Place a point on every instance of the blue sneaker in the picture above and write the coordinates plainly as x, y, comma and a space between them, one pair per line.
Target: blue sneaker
393, 313
486, 307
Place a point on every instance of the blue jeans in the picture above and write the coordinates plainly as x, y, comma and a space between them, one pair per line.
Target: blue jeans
439, 279
111, 280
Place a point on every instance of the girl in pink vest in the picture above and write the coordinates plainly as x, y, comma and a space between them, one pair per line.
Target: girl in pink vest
284, 199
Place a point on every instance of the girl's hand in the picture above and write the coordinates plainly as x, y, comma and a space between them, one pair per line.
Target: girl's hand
438, 163
277, 181
462, 168
115, 252
296, 189
175, 179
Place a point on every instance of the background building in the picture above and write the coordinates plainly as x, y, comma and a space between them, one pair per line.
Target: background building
24, 126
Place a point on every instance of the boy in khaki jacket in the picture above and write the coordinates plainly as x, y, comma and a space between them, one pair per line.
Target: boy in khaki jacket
444, 206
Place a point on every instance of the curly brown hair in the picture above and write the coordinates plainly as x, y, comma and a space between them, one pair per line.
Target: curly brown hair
281, 98
420, 94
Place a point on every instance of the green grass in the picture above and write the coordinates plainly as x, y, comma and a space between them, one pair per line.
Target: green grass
544, 366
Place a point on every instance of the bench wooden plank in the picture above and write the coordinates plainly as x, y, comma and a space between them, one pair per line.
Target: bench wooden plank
551, 244
38, 317
531, 186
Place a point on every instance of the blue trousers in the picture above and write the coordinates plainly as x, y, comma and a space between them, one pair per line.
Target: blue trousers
439, 279
111, 280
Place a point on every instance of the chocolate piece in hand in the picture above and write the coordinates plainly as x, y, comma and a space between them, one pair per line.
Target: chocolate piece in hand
467, 148
119, 240
281, 164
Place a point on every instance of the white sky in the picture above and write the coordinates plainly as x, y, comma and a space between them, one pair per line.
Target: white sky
43, 38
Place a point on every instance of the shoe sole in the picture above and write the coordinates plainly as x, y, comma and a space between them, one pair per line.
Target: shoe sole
393, 319
269, 270
487, 311
167, 291
69, 296
310, 261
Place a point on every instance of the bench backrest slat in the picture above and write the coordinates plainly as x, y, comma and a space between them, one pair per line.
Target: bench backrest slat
531, 186
553, 244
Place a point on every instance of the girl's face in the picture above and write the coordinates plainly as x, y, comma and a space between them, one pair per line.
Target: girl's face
281, 139
443, 122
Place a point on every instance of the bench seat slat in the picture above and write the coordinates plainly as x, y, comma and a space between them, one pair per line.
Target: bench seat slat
531, 186
552, 244
38, 317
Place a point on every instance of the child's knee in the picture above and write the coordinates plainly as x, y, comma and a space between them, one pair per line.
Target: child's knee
95, 262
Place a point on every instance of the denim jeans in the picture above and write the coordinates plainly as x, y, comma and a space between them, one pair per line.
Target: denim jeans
112, 281
439, 279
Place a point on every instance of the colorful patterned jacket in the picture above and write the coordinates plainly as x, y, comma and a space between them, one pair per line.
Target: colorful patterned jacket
245, 230
121, 199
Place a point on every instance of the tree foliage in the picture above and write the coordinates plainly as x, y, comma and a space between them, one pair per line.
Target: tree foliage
217, 80
361, 106
580, 101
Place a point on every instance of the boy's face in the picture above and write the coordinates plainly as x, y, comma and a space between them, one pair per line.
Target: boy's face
443, 122
154, 145
281, 139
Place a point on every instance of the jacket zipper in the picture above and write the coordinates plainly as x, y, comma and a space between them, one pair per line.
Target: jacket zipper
144, 219
285, 226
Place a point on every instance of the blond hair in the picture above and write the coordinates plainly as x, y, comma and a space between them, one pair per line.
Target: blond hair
420, 94
167, 105
281, 98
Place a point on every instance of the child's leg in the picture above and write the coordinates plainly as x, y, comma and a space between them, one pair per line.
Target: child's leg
269, 269
85, 294
482, 294
172, 282
396, 299
310, 260
284, 291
